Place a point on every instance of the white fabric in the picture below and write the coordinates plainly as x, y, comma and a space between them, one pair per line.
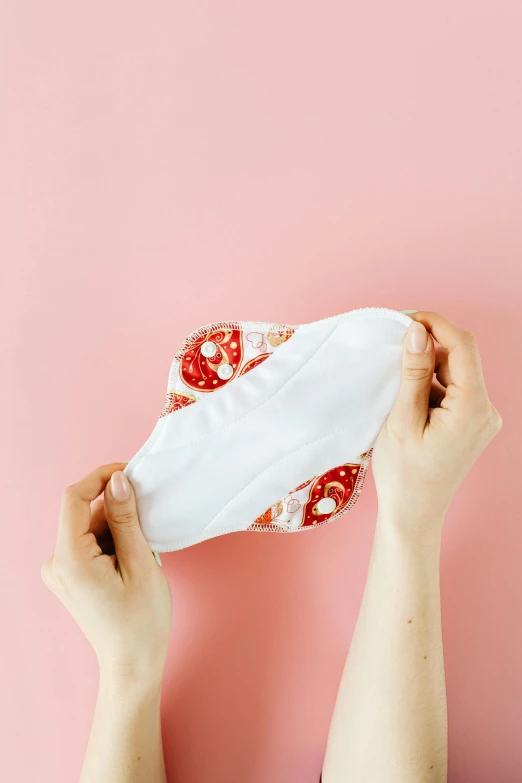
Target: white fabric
318, 401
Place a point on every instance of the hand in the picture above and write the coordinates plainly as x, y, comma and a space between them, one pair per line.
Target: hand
105, 574
436, 429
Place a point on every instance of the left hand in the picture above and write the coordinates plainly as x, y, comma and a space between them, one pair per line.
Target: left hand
105, 574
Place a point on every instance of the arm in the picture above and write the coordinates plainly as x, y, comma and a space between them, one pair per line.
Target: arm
125, 742
106, 576
390, 719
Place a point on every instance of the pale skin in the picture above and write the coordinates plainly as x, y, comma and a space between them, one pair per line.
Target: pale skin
390, 720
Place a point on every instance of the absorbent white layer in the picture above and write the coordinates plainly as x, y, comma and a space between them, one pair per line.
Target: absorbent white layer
318, 401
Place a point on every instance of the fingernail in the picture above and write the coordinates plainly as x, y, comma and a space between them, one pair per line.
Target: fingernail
120, 487
417, 337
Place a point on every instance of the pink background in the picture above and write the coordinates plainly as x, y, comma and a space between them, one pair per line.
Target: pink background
169, 164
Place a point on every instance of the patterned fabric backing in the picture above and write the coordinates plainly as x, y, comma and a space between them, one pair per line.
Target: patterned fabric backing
213, 357
236, 350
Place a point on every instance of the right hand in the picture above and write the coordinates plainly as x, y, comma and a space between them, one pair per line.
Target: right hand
105, 574
436, 430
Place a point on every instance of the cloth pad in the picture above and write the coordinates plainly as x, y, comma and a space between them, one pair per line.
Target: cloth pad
267, 426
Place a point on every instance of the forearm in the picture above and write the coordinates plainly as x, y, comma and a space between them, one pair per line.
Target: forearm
390, 720
125, 745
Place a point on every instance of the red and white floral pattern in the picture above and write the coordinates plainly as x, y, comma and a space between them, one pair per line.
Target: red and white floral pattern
299, 508
241, 351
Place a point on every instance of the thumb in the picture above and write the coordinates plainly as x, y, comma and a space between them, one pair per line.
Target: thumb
410, 410
122, 518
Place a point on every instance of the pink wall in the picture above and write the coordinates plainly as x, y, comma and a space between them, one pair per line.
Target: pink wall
168, 164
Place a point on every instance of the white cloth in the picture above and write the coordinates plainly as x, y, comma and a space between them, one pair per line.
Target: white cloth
316, 402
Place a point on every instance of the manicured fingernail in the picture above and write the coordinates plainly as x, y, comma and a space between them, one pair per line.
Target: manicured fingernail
409, 312
416, 337
120, 486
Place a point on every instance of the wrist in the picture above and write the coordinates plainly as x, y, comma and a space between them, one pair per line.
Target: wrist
130, 679
411, 528
126, 691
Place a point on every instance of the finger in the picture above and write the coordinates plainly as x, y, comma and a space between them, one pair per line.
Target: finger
100, 528
410, 411
98, 525
464, 363
75, 511
437, 394
122, 518
442, 370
